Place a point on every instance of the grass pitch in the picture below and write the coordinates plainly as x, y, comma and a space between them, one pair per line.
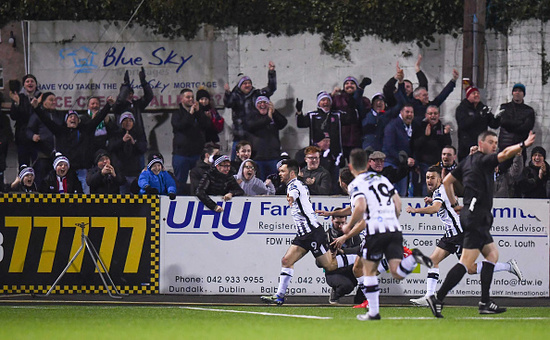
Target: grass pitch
255, 322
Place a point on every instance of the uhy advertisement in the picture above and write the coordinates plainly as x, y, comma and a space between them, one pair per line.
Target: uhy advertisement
239, 251
94, 64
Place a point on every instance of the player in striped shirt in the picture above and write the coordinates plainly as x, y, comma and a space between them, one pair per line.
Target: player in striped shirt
376, 207
451, 242
310, 235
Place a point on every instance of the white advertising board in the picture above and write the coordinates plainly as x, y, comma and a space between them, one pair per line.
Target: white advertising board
94, 64
238, 252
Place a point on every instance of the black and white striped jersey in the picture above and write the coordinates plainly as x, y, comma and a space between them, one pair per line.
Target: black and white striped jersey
446, 213
378, 191
302, 210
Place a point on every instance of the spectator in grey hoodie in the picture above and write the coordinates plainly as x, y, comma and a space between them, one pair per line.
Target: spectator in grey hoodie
252, 186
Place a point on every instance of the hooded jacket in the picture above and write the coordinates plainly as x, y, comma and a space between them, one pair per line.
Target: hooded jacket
253, 186
163, 182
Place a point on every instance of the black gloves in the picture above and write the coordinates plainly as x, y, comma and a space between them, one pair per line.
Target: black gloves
485, 110
365, 82
150, 191
126, 78
172, 196
142, 75
403, 157
299, 105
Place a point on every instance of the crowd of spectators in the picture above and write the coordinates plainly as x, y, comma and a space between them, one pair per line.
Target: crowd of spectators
104, 149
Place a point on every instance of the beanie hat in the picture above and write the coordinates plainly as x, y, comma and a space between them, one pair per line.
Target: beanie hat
242, 80
320, 136
284, 156
100, 153
155, 158
353, 79
378, 96
71, 112
539, 149
470, 90
59, 157
321, 95
220, 159
261, 99
27, 76
202, 93
125, 115
46, 95
25, 170
519, 86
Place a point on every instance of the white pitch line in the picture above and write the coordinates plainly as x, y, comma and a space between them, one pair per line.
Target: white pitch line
260, 313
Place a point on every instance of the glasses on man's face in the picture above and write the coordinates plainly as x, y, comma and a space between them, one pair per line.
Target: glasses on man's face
224, 166
250, 167
312, 158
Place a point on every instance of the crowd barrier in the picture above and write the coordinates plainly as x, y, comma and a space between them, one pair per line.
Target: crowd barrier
152, 245
39, 234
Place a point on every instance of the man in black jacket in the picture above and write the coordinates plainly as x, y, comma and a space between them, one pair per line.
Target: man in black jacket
422, 100
125, 101
516, 120
473, 117
324, 119
103, 178
263, 132
21, 111
203, 165
189, 125
217, 181
427, 143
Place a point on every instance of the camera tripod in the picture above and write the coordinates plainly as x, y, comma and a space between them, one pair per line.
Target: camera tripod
86, 243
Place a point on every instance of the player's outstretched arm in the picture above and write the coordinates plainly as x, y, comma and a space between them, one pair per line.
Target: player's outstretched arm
430, 209
340, 213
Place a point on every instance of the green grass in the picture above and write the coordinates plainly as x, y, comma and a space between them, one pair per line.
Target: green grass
210, 322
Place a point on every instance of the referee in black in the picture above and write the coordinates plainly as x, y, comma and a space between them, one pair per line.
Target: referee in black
476, 174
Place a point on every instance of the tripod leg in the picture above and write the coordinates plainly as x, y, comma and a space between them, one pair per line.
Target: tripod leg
95, 257
64, 270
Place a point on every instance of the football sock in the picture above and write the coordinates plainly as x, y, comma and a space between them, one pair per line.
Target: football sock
383, 266
345, 260
406, 266
502, 267
431, 282
372, 293
499, 267
284, 280
486, 279
451, 280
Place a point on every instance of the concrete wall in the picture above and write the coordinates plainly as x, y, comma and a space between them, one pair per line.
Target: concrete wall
303, 70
